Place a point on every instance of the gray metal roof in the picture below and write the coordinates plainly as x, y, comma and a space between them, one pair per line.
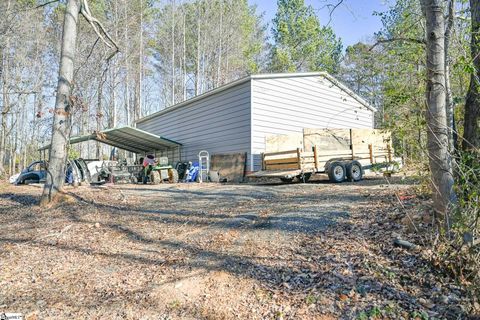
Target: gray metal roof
324, 74
127, 138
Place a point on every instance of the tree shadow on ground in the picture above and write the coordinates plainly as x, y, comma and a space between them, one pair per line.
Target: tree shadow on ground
307, 221
293, 281
21, 199
294, 276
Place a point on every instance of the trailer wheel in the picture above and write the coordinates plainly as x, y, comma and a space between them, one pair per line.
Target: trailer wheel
287, 180
354, 171
172, 176
336, 172
155, 177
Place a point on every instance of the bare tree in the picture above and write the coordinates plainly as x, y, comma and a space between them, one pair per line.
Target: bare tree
63, 102
437, 129
472, 105
449, 96
58, 148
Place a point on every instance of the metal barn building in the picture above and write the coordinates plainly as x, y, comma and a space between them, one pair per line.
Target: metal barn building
238, 116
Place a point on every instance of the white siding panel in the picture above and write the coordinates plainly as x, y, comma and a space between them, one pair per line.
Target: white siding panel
238, 118
287, 105
219, 123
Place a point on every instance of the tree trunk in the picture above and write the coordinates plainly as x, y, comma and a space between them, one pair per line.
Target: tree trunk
449, 98
437, 129
112, 109
471, 133
139, 112
99, 116
127, 68
3, 140
197, 71
4, 113
184, 58
220, 34
172, 102
60, 129
4, 77
13, 155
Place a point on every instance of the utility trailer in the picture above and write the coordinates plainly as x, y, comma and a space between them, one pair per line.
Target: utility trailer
340, 153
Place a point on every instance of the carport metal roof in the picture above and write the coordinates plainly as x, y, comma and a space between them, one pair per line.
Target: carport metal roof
127, 138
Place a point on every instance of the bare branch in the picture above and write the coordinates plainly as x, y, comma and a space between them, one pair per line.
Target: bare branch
331, 9
85, 11
86, 60
412, 40
46, 4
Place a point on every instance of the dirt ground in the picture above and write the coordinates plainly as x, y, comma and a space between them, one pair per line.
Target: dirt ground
211, 251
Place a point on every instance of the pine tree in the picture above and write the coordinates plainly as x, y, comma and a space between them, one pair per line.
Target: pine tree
301, 43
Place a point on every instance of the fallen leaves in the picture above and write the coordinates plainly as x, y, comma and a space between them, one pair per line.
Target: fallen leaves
242, 251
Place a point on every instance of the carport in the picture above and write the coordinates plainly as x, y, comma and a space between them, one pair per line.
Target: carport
133, 140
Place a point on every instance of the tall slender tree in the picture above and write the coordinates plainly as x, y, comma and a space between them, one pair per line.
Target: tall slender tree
202, 44
64, 101
437, 128
472, 105
63, 105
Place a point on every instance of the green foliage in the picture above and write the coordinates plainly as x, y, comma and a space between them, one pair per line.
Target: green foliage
402, 21
301, 43
465, 64
310, 299
458, 248
389, 311
175, 304
26, 3
467, 186
391, 76
73, 154
252, 37
363, 72
419, 315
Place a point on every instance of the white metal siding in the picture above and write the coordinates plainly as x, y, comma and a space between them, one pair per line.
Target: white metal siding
286, 105
219, 123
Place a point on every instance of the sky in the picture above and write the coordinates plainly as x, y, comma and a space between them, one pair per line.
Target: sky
353, 20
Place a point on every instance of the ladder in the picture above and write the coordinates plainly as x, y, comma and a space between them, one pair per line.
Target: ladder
204, 166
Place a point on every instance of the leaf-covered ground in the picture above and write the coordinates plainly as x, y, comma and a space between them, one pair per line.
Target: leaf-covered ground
248, 251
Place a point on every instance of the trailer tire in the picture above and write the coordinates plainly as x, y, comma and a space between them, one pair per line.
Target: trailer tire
155, 177
354, 171
287, 180
336, 171
172, 176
